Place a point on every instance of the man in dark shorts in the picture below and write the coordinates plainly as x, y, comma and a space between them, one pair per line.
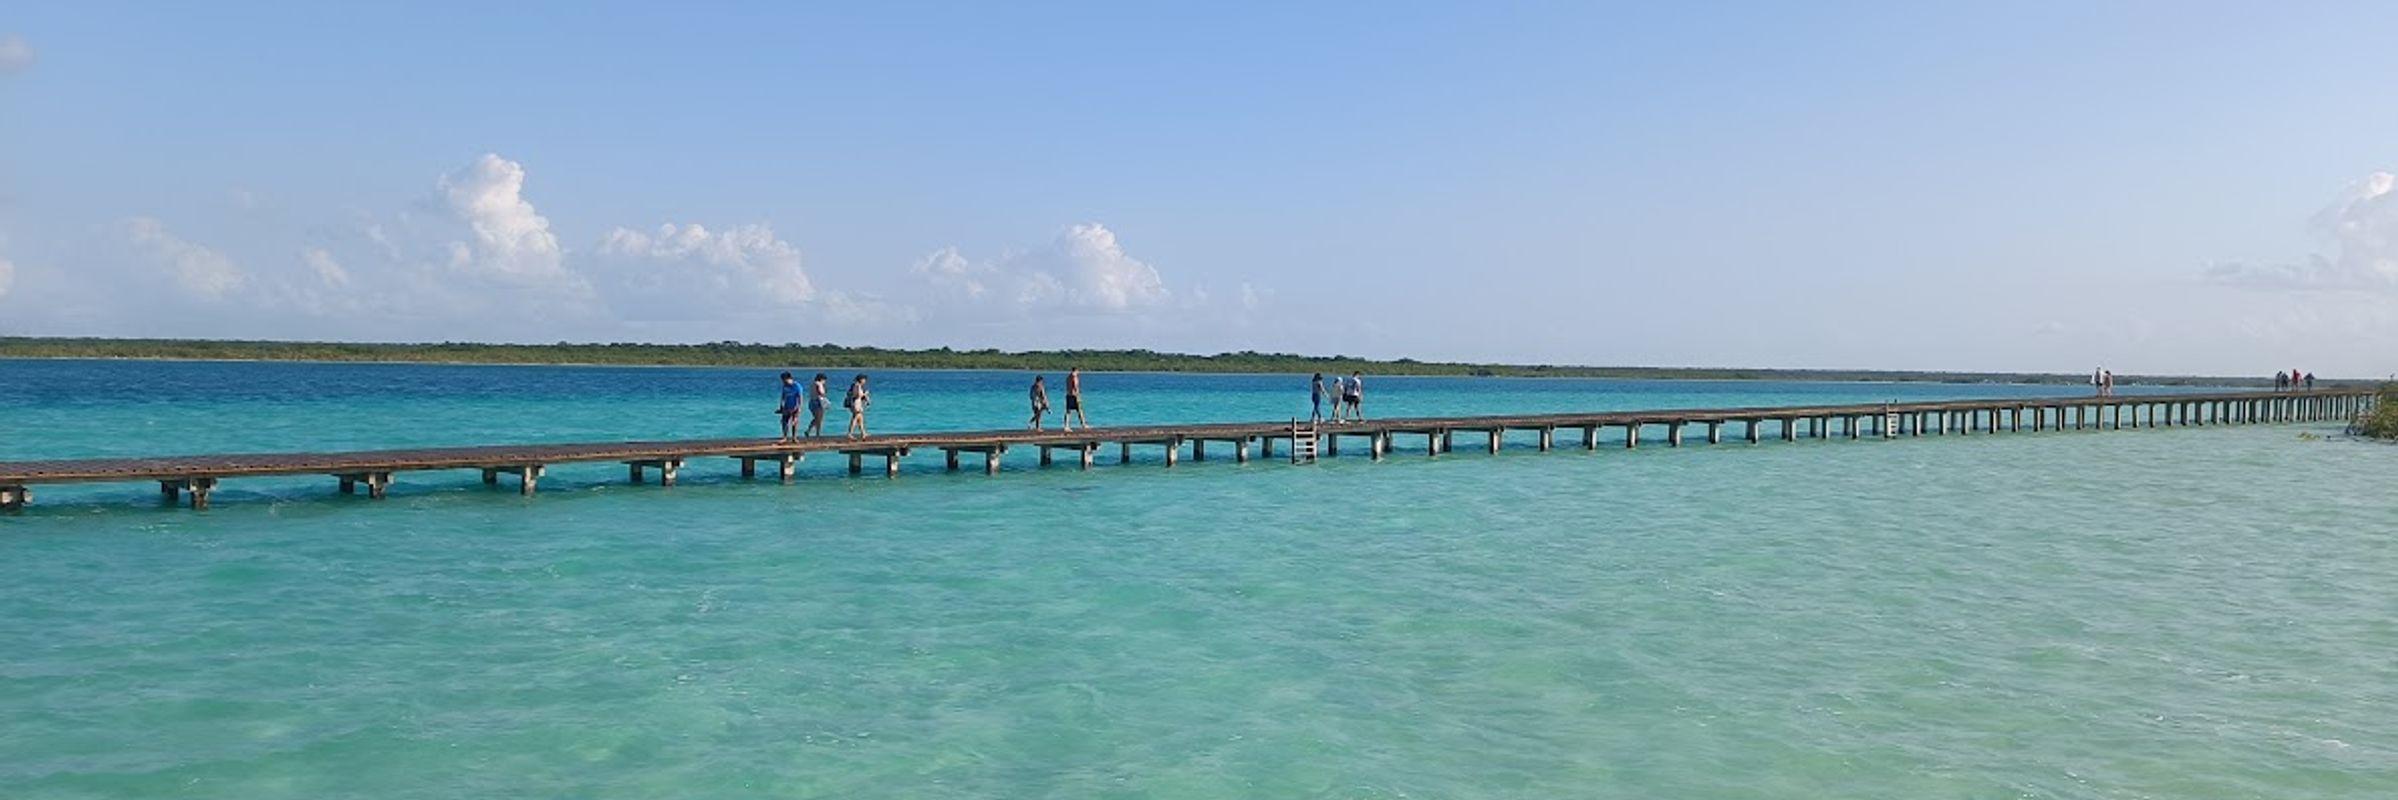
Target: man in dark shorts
1074, 401
790, 409
1356, 396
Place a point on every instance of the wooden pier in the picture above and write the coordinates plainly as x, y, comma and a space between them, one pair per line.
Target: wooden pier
193, 478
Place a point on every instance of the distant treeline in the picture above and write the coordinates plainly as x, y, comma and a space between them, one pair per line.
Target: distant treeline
838, 357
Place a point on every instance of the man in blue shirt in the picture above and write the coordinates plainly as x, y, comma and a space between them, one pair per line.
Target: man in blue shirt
790, 409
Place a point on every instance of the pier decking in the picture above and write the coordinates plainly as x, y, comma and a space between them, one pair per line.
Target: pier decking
196, 477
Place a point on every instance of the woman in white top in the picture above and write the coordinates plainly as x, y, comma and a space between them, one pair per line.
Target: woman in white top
856, 402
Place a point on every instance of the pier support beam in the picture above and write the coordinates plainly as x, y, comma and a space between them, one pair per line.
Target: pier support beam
1590, 437
198, 489
1548, 439
1673, 434
1496, 436
171, 492
14, 498
1632, 436
1752, 429
668, 469
1789, 429
1240, 451
1198, 449
1715, 432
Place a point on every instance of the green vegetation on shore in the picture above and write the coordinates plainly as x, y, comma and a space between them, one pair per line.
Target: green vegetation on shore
834, 356
2382, 421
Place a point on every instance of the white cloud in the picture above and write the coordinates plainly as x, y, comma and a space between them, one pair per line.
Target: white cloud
511, 239
743, 262
2362, 227
15, 54
328, 270
196, 268
1085, 268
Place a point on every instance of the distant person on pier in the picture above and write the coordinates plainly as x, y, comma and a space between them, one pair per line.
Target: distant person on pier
816, 405
856, 402
1315, 398
1356, 396
1074, 411
2106, 383
789, 409
2310, 381
1040, 400
2281, 381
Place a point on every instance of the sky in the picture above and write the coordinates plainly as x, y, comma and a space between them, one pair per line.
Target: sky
2188, 187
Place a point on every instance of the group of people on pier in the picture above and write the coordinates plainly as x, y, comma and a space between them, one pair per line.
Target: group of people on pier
2293, 380
1074, 412
813, 399
1348, 398
2104, 380
1348, 403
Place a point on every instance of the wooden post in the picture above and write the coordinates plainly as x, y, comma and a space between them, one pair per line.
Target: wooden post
950, 457
1789, 429
377, 483
1332, 444
14, 498
172, 492
1495, 433
1673, 434
1124, 454
199, 489
788, 466
891, 464
1240, 451
1044, 455
1590, 437
1173, 451
349, 485
1715, 432
991, 460
1752, 429
1198, 449
1265, 446
1447, 445
857, 463
1431, 444
667, 470
749, 468
1632, 435
1377, 443
528, 477
1548, 438
491, 477
633, 470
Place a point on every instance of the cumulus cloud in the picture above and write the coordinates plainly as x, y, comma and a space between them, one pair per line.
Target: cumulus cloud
327, 269
2362, 229
1085, 268
15, 54
510, 238
198, 269
744, 264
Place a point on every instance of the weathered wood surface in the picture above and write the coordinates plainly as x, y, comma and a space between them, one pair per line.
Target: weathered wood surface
522, 456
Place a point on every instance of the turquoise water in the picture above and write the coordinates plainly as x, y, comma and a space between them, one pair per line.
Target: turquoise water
2196, 613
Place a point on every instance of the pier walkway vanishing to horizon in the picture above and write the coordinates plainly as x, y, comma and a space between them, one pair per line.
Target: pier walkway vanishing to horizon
196, 477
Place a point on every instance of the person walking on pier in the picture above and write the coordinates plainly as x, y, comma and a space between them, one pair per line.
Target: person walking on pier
1355, 394
1074, 411
789, 409
1040, 401
1315, 399
816, 405
856, 402
2281, 381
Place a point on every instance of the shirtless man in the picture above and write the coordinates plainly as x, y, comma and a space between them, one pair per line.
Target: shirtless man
1074, 401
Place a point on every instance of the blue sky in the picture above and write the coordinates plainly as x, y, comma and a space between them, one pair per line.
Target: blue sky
2155, 187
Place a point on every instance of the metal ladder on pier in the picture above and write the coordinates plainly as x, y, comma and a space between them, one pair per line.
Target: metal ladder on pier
1303, 442
1889, 422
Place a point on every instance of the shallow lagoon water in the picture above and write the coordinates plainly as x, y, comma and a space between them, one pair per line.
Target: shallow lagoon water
2157, 613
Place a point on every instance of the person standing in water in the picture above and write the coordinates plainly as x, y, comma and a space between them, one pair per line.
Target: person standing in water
1315, 398
816, 405
789, 409
856, 402
1074, 411
1040, 401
